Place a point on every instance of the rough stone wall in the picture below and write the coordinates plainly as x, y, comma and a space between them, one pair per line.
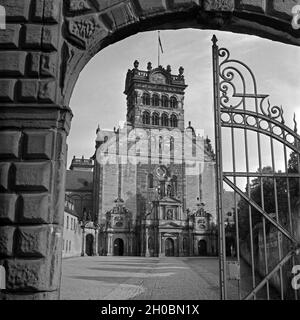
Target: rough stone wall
33, 130
42, 51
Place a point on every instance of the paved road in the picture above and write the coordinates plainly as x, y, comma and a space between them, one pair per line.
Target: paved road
124, 278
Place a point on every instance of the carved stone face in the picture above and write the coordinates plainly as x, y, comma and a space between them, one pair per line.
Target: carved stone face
201, 223
158, 78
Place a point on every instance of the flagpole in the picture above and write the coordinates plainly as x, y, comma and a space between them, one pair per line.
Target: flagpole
158, 48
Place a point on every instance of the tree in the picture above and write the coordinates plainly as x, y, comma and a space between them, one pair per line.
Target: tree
268, 189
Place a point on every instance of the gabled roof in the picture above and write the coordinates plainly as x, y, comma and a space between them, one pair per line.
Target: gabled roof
79, 181
170, 224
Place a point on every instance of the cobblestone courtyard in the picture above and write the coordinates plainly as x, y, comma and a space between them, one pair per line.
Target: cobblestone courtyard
118, 278
122, 278
139, 278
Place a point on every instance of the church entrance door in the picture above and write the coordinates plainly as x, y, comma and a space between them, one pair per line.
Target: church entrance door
118, 247
202, 248
169, 247
89, 244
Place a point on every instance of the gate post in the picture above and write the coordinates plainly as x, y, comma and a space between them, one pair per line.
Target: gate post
34, 125
219, 170
32, 183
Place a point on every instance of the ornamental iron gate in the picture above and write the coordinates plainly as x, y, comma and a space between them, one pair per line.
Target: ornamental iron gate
259, 246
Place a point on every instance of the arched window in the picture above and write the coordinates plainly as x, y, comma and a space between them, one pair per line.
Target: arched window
155, 119
172, 144
164, 120
173, 102
164, 102
194, 141
137, 149
172, 148
155, 100
135, 96
184, 244
146, 99
150, 180
173, 121
146, 117
160, 145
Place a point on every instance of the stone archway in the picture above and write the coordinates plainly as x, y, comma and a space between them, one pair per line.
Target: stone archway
169, 247
118, 247
202, 248
42, 51
89, 245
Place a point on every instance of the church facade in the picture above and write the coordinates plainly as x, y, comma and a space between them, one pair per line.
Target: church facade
153, 177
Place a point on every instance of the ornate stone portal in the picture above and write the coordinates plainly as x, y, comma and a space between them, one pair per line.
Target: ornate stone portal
117, 236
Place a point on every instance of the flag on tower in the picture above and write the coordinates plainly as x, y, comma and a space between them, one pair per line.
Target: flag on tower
159, 41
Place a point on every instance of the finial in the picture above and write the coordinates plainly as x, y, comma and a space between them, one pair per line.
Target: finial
190, 123
181, 70
169, 68
98, 129
295, 123
136, 64
282, 118
214, 39
149, 66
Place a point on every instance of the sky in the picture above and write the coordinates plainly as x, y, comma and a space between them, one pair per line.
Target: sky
98, 94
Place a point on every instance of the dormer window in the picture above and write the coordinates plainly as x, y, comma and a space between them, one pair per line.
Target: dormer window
146, 99
164, 102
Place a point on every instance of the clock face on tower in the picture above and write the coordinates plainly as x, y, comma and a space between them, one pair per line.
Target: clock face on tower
161, 172
158, 78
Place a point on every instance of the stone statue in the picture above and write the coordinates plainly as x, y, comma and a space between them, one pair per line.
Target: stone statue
169, 190
170, 214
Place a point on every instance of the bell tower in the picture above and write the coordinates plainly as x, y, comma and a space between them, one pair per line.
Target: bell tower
155, 97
